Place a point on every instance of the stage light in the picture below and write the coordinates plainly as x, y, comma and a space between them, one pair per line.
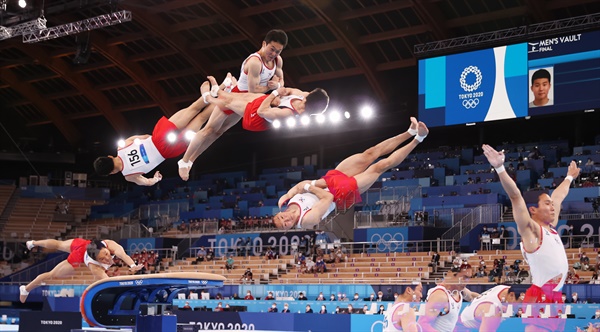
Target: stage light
347, 115
121, 143
189, 135
290, 122
22, 3
137, 141
334, 116
276, 124
305, 120
320, 118
171, 137
366, 112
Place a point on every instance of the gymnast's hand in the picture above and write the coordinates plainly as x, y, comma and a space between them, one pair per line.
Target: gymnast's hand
136, 268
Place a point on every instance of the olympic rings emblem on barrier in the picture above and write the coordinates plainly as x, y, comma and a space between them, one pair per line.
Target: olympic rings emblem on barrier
139, 282
470, 103
139, 246
388, 242
463, 78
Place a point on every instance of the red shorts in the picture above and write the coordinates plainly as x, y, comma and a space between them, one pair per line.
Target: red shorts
252, 121
234, 90
78, 249
344, 189
159, 138
534, 296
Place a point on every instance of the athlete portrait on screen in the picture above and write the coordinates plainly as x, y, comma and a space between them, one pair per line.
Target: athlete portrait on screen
541, 88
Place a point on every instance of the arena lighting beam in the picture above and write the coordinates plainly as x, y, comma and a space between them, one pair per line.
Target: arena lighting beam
88, 24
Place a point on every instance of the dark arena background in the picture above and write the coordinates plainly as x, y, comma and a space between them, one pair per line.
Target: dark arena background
78, 76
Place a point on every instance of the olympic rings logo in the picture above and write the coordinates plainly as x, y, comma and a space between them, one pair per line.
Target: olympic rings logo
463, 79
470, 103
139, 282
388, 242
139, 246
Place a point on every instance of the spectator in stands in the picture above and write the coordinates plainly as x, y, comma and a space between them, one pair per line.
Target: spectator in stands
236, 296
594, 279
321, 297
269, 254
365, 309
356, 297
584, 260
323, 309
435, 261
191, 295
247, 276
572, 277
481, 270
337, 310
248, 296
519, 313
229, 263
574, 298
273, 308
589, 166
201, 255
381, 310
308, 309
332, 297
311, 203
219, 296
95, 254
350, 308
320, 266
301, 297
371, 298
310, 266
270, 296
286, 309
379, 296
210, 254
596, 315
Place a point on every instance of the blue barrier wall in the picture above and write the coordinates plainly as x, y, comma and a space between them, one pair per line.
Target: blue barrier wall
320, 323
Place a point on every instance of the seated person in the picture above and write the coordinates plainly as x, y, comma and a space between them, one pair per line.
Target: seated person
247, 276
229, 263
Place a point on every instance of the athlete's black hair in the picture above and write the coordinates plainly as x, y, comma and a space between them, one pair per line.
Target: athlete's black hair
541, 73
278, 36
94, 248
104, 165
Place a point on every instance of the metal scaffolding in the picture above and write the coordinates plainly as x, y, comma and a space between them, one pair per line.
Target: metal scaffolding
20, 29
511, 35
37, 35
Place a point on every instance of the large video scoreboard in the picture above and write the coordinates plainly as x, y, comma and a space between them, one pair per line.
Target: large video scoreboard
540, 77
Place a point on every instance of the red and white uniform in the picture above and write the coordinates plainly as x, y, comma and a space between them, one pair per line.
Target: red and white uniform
254, 122
548, 261
142, 157
306, 201
391, 320
446, 321
79, 254
492, 295
344, 189
266, 73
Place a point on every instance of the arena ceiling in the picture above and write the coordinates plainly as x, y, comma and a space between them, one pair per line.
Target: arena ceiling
153, 65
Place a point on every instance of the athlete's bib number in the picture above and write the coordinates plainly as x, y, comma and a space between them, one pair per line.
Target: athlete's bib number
134, 158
